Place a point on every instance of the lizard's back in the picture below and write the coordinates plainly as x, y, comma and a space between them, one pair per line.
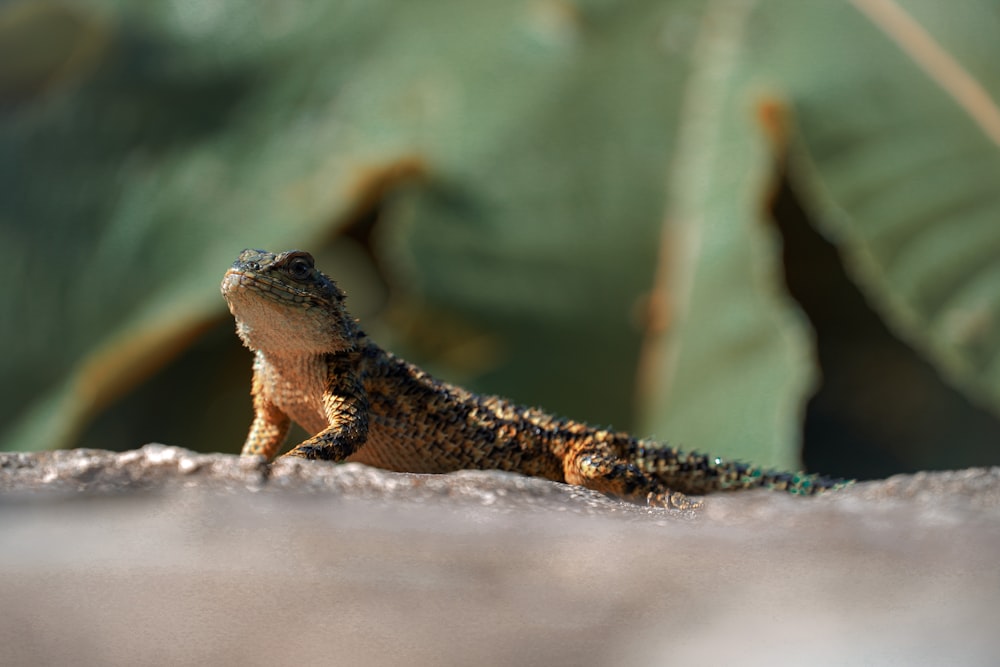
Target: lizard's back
420, 424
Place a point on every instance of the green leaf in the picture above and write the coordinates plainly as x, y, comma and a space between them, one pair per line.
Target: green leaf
900, 161
893, 146
543, 228
729, 370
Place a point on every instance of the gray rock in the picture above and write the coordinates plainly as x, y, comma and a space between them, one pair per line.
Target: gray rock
164, 556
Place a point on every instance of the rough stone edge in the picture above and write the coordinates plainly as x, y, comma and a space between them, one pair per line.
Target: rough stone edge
156, 466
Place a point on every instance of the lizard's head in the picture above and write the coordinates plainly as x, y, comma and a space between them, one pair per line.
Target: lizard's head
283, 304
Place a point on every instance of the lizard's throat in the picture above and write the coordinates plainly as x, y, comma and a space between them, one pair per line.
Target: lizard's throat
278, 330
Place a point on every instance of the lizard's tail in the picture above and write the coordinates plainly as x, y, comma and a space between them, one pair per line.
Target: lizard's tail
698, 474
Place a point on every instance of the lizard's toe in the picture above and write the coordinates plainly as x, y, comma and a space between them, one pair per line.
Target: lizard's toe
675, 500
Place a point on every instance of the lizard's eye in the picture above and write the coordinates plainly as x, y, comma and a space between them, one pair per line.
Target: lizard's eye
299, 268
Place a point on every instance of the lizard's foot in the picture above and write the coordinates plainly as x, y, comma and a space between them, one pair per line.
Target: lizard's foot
330, 444
300, 452
675, 500
596, 468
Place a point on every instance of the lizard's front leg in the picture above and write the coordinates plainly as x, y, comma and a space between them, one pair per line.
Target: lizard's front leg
269, 427
345, 404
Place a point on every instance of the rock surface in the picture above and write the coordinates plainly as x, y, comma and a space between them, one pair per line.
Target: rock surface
164, 556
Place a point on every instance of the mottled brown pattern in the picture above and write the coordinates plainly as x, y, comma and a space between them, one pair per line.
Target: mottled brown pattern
315, 366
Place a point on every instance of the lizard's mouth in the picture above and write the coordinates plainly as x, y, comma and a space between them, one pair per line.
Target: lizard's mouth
236, 281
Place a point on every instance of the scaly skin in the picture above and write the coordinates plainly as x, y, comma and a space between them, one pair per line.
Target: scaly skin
314, 365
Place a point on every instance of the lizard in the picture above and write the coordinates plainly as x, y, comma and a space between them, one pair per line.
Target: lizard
313, 364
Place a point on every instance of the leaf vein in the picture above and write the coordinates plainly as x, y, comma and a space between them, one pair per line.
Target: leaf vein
935, 61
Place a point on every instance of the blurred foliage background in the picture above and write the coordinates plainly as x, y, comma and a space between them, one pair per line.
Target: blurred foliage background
763, 229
